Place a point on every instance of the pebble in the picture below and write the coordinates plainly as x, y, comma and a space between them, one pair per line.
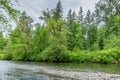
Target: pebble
74, 75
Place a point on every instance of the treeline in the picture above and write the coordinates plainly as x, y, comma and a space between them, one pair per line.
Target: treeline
90, 37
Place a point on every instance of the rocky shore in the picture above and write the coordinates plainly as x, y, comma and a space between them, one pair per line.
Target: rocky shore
74, 75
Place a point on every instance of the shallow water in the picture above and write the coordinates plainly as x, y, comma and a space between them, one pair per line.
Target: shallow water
10, 70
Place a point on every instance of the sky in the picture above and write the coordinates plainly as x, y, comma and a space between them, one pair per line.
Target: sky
34, 7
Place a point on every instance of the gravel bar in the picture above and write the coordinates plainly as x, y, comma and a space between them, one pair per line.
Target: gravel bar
75, 75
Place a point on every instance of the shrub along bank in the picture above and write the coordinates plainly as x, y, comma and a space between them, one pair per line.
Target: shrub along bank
61, 54
104, 56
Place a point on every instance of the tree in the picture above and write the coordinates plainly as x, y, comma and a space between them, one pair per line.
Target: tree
101, 34
8, 16
74, 37
57, 12
6, 6
112, 41
40, 39
39, 42
80, 17
88, 18
26, 26
90, 30
21, 38
115, 29
56, 30
46, 15
92, 36
71, 17
105, 12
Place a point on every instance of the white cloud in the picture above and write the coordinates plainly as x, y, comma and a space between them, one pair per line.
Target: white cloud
89, 4
34, 7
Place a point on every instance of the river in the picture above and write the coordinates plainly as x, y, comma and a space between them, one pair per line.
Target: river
11, 70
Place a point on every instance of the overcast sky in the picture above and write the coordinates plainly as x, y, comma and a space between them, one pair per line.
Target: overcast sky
34, 7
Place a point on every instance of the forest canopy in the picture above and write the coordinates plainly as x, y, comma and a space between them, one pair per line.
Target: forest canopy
91, 37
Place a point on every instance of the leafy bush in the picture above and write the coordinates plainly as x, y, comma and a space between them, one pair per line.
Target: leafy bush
112, 41
77, 56
105, 56
18, 52
55, 53
2, 56
5, 55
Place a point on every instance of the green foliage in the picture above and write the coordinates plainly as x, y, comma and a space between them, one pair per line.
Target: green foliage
74, 36
101, 35
84, 36
57, 30
77, 56
109, 56
40, 39
55, 53
6, 51
115, 28
105, 56
8, 16
19, 51
3, 41
6, 55
92, 37
19, 42
80, 16
57, 12
106, 10
112, 41
9, 9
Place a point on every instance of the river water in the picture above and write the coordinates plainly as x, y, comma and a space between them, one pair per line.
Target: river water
10, 70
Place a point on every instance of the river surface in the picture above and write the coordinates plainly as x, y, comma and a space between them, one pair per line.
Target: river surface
11, 70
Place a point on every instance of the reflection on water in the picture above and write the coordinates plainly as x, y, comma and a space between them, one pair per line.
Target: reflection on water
10, 70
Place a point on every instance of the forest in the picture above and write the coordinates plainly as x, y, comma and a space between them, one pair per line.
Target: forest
92, 37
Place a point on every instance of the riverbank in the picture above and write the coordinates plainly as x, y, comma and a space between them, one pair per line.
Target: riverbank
74, 75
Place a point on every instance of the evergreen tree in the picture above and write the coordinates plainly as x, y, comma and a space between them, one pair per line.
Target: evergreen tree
90, 30
92, 36
57, 12
105, 12
80, 17
46, 15
75, 38
71, 17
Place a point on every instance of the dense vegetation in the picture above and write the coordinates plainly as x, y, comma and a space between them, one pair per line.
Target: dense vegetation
91, 37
